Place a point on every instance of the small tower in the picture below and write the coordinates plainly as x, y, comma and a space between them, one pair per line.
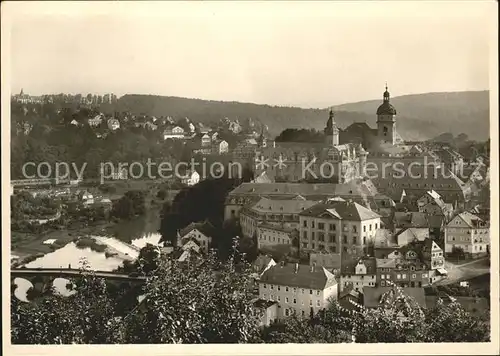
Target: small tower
386, 120
262, 143
331, 131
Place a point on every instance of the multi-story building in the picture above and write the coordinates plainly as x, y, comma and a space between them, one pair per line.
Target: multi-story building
200, 233
271, 235
298, 288
358, 273
173, 132
298, 161
469, 233
360, 191
432, 204
282, 213
338, 226
416, 264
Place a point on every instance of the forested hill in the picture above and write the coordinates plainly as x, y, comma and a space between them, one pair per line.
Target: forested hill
420, 116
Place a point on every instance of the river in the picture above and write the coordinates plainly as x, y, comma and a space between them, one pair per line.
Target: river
126, 238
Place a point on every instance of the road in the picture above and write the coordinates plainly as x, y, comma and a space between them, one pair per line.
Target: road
464, 271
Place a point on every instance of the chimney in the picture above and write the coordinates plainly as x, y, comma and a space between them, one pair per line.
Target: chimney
296, 268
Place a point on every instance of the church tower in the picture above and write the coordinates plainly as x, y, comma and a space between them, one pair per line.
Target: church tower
386, 120
331, 131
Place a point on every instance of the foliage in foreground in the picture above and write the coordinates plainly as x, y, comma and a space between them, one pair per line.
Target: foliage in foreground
205, 301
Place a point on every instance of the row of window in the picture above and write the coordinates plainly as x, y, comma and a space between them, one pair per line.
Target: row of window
279, 240
333, 227
287, 301
287, 289
331, 237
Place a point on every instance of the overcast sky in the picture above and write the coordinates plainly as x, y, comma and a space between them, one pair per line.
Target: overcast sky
300, 54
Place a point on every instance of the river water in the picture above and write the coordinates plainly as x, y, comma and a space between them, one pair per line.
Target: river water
137, 233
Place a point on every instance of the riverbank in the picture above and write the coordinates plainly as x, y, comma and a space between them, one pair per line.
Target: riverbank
24, 245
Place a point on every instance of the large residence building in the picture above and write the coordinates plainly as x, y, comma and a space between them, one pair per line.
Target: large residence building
468, 233
278, 212
360, 191
299, 289
338, 227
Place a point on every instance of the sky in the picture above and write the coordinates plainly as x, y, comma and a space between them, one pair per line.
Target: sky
293, 54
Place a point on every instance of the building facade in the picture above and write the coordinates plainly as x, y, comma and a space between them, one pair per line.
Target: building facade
299, 289
469, 233
338, 227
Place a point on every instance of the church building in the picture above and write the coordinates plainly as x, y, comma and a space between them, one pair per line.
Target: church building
328, 162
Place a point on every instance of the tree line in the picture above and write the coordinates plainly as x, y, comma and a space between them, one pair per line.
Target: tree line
207, 301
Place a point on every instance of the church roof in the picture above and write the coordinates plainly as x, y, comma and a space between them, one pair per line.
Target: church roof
386, 109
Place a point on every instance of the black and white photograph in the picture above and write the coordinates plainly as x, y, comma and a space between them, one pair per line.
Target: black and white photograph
247, 174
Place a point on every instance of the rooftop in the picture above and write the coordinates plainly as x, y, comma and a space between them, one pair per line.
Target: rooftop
344, 210
301, 276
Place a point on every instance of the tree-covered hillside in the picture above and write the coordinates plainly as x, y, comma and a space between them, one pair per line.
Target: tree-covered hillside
420, 116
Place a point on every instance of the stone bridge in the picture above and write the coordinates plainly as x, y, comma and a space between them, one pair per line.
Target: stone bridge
42, 278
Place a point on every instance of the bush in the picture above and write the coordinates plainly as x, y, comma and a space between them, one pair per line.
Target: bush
90, 243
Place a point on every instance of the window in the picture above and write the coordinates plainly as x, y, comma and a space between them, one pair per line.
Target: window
295, 290
313, 224
370, 227
272, 297
264, 296
364, 228
398, 276
302, 291
345, 239
382, 276
310, 291
279, 288
286, 300
279, 298
332, 227
287, 312
272, 287
311, 303
265, 286
318, 303
424, 275
294, 301
354, 228
286, 289
354, 240
305, 234
404, 275
321, 226
413, 276
364, 240
317, 292
305, 223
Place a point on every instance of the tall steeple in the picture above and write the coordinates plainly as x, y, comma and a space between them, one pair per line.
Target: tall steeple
387, 95
331, 130
386, 120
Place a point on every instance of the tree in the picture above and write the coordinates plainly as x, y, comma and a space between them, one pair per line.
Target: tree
203, 302
162, 194
85, 317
